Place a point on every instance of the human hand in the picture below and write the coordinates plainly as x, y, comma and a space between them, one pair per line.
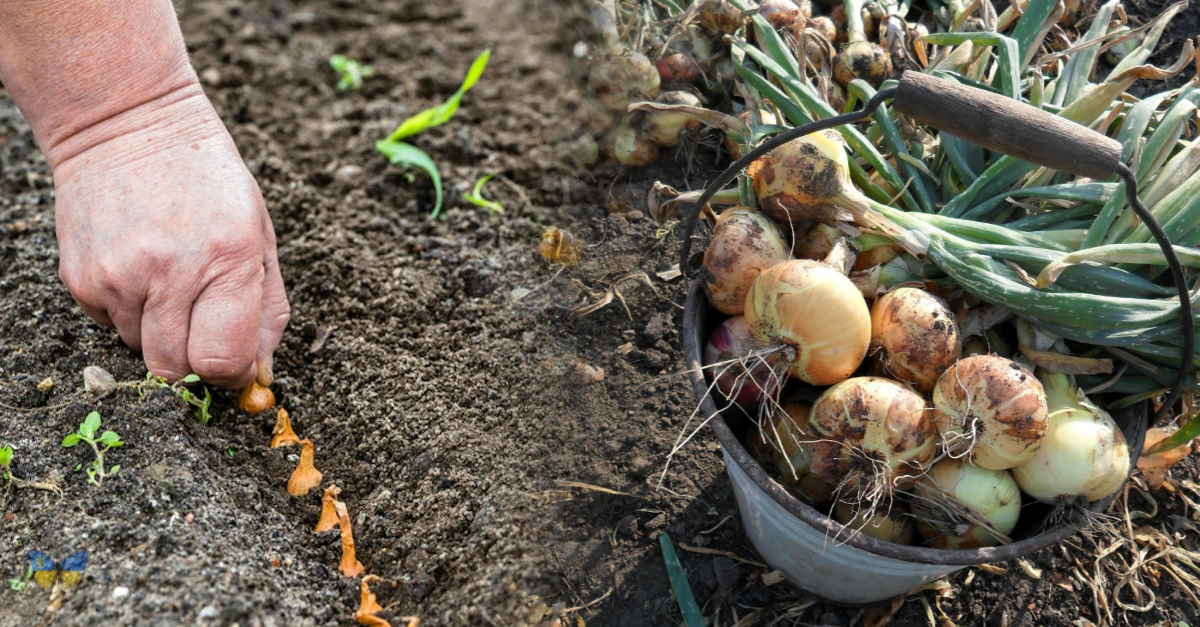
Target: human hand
163, 233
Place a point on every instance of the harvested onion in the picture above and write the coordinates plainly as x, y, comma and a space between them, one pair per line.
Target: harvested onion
627, 146
744, 243
1083, 454
816, 313
664, 127
962, 506
623, 76
918, 335
677, 67
737, 373
788, 442
779, 13
887, 522
719, 16
871, 431
992, 410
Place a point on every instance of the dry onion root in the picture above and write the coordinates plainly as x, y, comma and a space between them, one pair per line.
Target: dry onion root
918, 335
730, 361
744, 243
786, 437
871, 434
962, 506
888, 522
990, 410
815, 314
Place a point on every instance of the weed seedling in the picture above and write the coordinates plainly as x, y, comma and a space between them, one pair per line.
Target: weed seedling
6, 455
20, 583
350, 72
476, 197
108, 440
180, 390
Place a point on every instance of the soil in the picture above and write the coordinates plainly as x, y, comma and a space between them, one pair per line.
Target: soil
438, 365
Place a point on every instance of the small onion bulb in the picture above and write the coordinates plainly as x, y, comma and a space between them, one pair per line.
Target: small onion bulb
729, 361
918, 335
871, 431
792, 458
627, 146
744, 243
862, 59
1084, 453
677, 67
992, 410
779, 13
624, 76
817, 313
890, 524
664, 127
719, 16
955, 497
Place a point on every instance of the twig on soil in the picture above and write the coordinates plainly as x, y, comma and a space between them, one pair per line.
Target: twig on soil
731, 555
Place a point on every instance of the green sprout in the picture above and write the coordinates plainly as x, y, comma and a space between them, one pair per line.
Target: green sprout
350, 72
19, 584
108, 440
180, 389
476, 197
6, 455
408, 155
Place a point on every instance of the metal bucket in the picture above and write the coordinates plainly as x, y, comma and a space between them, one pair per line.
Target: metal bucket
819, 554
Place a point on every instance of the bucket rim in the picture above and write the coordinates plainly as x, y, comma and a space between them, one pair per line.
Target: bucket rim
695, 312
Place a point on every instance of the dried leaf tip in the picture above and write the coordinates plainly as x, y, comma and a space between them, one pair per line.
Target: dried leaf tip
283, 435
255, 398
368, 605
350, 565
306, 476
329, 517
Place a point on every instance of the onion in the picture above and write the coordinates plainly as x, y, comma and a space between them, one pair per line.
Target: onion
594, 116
747, 379
677, 67
814, 311
624, 76
871, 431
744, 243
816, 243
862, 59
627, 146
918, 335
664, 127
823, 25
991, 409
779, 13
962, 506
792, 458
1083, 455
719, 16
888, 523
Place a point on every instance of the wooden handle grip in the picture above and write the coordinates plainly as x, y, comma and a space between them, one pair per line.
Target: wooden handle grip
1006, 125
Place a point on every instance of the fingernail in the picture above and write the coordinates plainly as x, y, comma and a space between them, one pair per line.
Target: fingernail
264, 376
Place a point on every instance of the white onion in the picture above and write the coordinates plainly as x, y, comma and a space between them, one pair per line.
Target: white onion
628, 146
992, 410
918, 335
1083, 455
954, 499
744, 243
739, 375
664, 127
814, 311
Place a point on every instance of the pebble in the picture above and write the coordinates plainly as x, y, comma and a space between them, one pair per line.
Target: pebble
98, 381
207, 612
349, 173
210, 76
120, 592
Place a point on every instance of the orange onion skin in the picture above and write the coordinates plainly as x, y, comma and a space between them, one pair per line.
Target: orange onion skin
743, 244
748, 384
918, 333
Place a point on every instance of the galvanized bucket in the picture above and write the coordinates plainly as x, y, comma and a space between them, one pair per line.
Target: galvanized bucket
819, 554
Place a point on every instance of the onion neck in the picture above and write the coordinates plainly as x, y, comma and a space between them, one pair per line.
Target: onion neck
1061, 394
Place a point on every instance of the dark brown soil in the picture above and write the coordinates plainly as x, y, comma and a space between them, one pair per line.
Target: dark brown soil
436, 364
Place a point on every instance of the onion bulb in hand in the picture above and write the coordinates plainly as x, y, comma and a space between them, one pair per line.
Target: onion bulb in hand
744, 243
918, 335
816, 314
730, 361
990, 410
962, 506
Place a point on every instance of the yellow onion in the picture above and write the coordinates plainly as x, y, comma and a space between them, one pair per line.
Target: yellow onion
888, 522
874, 251
779, 13
664, 127
730, 362
992, 410
816, 243
627, 146
918, 335
786, 438
624, 75
962, 506
816, 313
719, 16
862, 59
677, 67
823, 25
744, 242
1084, 454
873, 432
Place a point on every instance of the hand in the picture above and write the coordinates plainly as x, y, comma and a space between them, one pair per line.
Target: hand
163, 234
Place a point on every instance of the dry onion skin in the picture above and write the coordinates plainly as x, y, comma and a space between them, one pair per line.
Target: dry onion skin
744, 243
1154, 467
719, 16
729, 361
990, 410
871, 430
955, 497
779, 13
816, 314
918, 334
798, 180
887, 522
786, 438
1084, 454
664, 127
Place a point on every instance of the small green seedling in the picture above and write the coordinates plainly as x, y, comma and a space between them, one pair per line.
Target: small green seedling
350, 72
19, 584
108, 440
476, 197
180, 389
408, 155
6, 456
